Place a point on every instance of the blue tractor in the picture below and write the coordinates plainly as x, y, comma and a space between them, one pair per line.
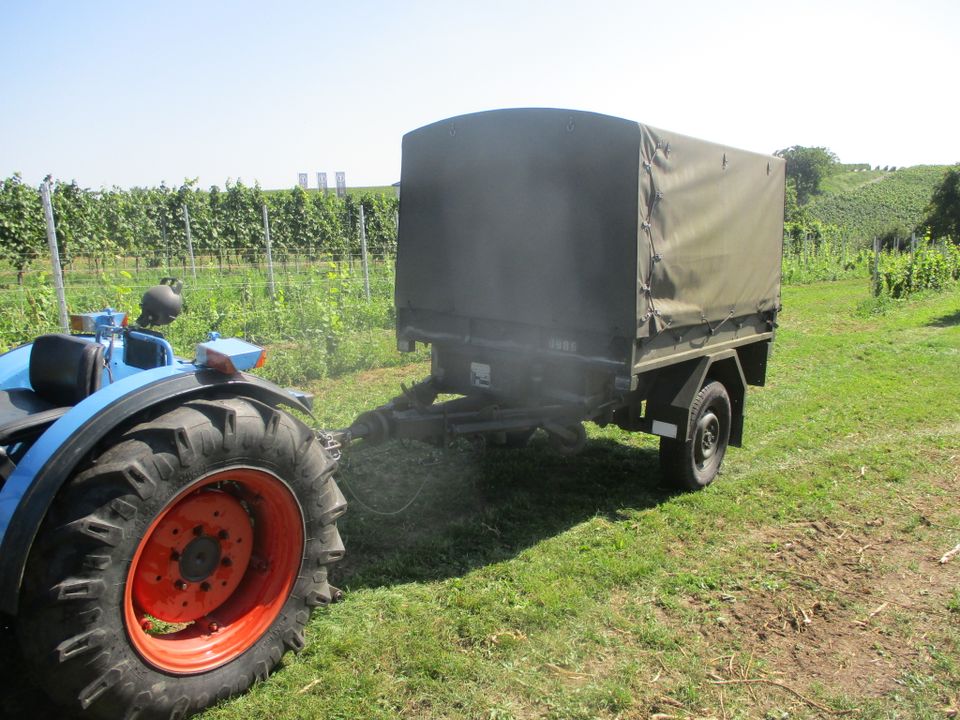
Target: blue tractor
165, 525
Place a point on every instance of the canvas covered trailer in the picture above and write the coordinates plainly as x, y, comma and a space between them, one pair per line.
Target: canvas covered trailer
567, 265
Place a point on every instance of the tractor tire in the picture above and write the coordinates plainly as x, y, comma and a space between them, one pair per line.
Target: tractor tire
693, 464
177, 567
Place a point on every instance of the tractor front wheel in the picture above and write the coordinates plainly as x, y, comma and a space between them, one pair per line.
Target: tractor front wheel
182, 563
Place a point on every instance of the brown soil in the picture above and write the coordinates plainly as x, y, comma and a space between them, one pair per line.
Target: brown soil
851, 605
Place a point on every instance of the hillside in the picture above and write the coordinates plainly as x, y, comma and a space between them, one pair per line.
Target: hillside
842, 182
875, 202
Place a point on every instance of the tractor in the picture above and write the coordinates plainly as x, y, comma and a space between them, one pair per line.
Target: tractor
166, 525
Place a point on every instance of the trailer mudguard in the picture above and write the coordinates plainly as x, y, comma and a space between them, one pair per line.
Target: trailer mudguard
675, 388
31, 488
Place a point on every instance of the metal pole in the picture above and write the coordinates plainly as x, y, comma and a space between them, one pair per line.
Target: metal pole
186, 223
54, 256
166, 243
266, 238
363, 254
876, 266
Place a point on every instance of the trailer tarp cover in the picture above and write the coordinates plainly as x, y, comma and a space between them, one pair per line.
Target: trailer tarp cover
560, 218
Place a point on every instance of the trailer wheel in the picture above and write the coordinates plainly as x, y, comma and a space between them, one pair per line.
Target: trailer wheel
182, 563
693, 464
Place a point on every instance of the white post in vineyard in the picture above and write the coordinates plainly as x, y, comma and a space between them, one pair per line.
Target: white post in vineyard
363, 254
186, 223
266, 239
54, 256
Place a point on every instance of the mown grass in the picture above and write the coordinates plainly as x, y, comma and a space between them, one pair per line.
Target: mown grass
520, 584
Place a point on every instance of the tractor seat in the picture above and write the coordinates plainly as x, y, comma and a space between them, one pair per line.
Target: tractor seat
63, 371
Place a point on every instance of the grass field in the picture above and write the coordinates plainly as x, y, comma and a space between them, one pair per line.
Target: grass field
518, 584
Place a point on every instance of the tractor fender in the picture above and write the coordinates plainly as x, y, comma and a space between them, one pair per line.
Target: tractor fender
15, 367
31, 488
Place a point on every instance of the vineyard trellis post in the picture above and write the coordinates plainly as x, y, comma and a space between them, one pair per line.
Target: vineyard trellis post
266, 238
166, 244
363, 254
54, 255
186, 223
876, 266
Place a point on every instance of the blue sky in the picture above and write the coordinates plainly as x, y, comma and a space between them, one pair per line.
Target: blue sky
135, 93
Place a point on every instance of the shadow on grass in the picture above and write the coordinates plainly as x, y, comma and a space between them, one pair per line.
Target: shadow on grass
946, 320
464, 509
474, 508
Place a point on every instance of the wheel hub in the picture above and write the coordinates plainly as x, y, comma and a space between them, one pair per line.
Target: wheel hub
708, 435
195, 557
200, 558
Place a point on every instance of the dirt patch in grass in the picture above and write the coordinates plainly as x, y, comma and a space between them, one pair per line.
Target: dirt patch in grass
843, 609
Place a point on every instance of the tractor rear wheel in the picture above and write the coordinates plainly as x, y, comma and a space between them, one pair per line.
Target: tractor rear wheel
183, 562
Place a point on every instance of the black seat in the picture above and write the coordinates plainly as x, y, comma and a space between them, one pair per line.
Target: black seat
63, 371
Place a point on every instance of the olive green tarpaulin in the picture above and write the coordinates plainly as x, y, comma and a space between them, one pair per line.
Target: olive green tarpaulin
711, 222
571, 220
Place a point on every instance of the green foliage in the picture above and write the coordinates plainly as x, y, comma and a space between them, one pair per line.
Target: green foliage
806, 168
896, 204
943, 219
814, 251
225, 224
930, 267
21, 224
319, 322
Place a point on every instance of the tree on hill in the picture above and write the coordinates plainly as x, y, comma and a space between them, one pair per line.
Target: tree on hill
806, 167
943, 218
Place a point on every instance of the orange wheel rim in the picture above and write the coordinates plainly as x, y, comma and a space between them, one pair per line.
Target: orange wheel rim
220, 561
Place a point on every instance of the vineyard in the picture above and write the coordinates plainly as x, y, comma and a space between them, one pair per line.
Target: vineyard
151, 224
892, 205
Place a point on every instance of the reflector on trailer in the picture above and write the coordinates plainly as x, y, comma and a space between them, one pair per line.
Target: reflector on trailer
230, 355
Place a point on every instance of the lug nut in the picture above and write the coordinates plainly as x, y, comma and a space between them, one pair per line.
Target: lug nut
226, 562
223, 534
174, 555
198, 530
180, 585
205, 586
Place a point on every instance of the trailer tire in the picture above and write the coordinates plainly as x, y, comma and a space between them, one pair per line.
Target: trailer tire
218, 518
694, 463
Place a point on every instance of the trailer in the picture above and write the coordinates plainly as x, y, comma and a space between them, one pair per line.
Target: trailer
167, 524
568, 266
